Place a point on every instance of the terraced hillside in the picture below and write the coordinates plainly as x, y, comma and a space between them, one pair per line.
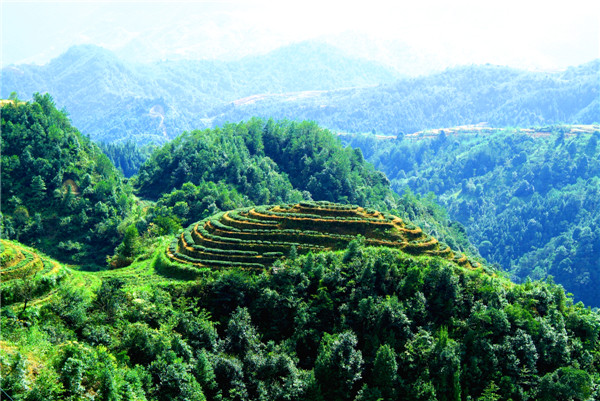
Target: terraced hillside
25, 275
255, 237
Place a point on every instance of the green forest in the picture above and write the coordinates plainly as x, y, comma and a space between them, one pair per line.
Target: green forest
529, 200
263, 260
60, 192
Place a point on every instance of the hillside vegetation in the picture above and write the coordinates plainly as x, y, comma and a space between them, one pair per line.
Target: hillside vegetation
59, 191
266, 162
25, 274
303, 300
528, 198
364, 323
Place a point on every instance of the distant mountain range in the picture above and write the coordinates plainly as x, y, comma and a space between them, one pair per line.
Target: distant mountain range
113, 100
499, 96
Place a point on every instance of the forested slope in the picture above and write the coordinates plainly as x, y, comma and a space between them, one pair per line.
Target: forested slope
265, 162
530, 202
268, 161
59, 191
360, 324
500, 96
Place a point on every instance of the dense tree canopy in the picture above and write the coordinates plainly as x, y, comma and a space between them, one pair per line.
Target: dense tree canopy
530, 203
127, 156
59, 191
361, 324
267, 162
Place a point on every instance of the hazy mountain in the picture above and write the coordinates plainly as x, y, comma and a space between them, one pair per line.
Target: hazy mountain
500, 96
112, 100
404, 58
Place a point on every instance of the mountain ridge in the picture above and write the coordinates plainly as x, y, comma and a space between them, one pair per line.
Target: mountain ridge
501, 96
120, 95
285, 83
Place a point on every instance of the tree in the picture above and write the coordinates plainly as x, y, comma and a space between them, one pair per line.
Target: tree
174, 381
205, 374
26, 283
181, 209
126, 251
490, 393
130, 241
21, 215
293, 253
385, 372
111, 297
15, 383
338, 366
241, 336
566, 384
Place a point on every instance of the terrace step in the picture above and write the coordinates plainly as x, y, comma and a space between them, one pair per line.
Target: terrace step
255, 237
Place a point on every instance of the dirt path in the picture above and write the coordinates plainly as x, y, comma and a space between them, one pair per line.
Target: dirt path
158, 111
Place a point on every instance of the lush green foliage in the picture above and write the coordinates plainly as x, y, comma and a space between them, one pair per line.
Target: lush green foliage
530, 203
59, 191
113, 100
127, 156
25, 274
363, 324
500, 96
191, 202
267, 162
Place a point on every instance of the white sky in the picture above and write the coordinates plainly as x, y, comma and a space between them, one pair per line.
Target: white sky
538, 34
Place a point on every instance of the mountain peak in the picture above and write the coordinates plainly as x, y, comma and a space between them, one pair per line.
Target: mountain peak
85, 52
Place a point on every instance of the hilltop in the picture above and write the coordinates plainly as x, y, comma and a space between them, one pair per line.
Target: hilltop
261, 162
59, 191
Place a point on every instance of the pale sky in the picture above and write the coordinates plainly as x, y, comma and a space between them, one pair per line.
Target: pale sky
533, 34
